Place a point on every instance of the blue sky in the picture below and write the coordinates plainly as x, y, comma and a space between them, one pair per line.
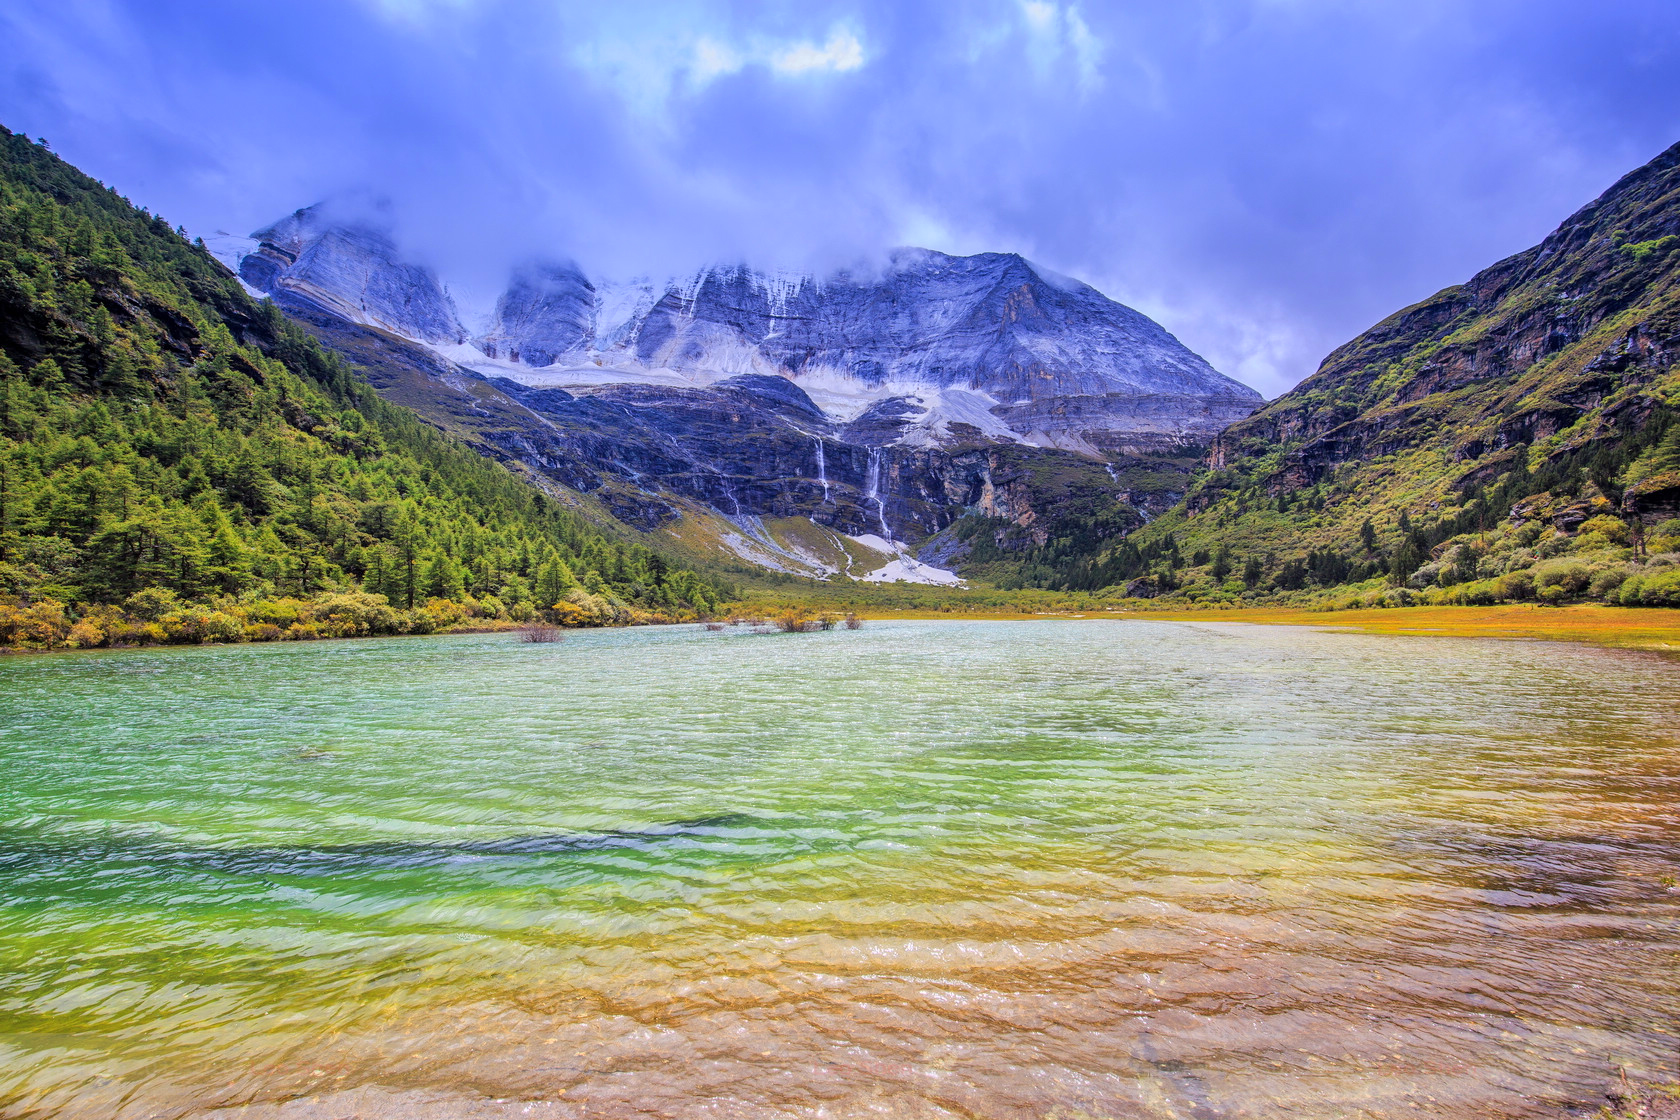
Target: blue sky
1265, 177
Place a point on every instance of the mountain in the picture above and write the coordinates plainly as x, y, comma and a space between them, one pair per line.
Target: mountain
547, 312
353, 270
734, 407
748, 472
1511, 437
990, 339
170, 444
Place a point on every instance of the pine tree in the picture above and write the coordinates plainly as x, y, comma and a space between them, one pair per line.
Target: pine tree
1221, 566
405, 545
554, 580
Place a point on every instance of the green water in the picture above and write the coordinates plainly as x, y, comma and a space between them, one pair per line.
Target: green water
922, 869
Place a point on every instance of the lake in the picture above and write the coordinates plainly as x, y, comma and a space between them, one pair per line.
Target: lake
924, 869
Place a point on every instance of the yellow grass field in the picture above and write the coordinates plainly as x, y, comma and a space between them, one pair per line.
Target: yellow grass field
1653, 629
1650, 628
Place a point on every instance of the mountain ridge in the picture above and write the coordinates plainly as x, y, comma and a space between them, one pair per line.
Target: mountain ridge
1031, 355
752, 410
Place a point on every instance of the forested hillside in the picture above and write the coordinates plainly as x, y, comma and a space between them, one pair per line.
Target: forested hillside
1511, 438
177, 461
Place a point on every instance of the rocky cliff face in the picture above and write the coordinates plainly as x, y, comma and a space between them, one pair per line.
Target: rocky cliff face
990, 322
354, 271
988, 340
925, 341
546, 312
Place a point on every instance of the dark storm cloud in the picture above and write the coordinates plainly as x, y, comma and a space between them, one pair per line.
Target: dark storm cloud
1267, 177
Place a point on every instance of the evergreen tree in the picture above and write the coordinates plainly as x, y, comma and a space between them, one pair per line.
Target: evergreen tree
554, 580
1221, 566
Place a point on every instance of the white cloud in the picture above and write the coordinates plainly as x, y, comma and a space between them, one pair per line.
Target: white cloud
1260, 342
652, 62
842, 52
1040, 15
713, 59
1087, 50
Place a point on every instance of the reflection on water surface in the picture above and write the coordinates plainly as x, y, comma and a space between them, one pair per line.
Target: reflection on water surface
921, 869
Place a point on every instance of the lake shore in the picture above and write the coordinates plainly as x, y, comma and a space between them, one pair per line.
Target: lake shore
1649, 629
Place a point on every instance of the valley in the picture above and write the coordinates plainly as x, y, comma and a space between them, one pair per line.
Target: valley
980, 420
976, 426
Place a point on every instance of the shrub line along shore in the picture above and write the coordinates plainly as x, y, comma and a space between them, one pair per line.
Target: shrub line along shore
1654, 630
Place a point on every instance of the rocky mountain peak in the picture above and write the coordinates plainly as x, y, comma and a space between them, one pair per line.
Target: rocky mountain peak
351, 267
548, 310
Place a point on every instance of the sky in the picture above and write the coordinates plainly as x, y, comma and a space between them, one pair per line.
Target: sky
1266, 178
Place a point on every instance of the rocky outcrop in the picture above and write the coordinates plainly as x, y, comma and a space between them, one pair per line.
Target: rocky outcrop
1122, 424
546, 312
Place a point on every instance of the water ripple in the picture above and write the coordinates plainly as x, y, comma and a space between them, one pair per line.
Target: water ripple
929, 869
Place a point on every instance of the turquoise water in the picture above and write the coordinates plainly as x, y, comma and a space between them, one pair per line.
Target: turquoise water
921, 869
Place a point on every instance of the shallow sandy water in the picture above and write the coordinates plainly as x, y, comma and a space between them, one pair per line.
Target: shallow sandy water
922, 869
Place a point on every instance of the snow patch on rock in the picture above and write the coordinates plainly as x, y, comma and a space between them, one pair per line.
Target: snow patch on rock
904, 568
229, 249
954, 405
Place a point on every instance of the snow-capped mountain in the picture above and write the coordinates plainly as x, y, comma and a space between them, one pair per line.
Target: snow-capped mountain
876, 407
547, 313
993, 322
990, 341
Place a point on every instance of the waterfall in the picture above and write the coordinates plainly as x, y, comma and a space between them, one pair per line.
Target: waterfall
822, 471
728, 489
872, 491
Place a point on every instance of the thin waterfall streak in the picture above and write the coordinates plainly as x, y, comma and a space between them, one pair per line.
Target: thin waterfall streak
822, 471
873, 492
729, 490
